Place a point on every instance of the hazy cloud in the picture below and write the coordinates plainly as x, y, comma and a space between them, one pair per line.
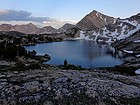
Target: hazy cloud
12, 15
23, 17
58, 23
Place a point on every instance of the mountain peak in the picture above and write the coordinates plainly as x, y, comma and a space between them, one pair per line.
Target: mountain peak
94, 20
31, 24
95, 11
65, 27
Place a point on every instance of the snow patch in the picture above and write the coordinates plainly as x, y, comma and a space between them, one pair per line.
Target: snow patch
134, 23
122, 36
138, 55
97, 14
126, 51
121, 24
114, 21
137, 71
105, 20
82, 36
109, 41
137, 41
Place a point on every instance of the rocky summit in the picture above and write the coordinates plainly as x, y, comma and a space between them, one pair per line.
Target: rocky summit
95, 20
54, 86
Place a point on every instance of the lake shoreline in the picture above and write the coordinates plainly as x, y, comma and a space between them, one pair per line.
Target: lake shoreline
88, 54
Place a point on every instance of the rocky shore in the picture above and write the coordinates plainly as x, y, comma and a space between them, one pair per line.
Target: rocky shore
130, 46
54, 86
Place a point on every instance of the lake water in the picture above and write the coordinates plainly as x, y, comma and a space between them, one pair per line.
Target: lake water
88, 54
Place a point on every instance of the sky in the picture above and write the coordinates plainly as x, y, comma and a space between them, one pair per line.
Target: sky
58, 12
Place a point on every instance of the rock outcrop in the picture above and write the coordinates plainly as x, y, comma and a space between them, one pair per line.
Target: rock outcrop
53, 86
130, 46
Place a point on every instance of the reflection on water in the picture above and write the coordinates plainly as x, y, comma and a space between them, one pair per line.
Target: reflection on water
85, 53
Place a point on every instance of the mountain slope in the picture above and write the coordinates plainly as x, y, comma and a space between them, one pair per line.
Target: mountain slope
131, 47
109, 30
47, 29
131, 43
95, 20
65, 27
5, 27
27, 28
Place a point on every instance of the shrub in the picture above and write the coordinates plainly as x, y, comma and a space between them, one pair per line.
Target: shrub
20, 66
34, 66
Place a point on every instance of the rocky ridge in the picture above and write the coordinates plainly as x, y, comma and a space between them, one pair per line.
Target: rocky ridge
27, 28
65, 27
51, 86
102, 28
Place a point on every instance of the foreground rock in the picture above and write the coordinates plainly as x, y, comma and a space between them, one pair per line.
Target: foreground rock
53, 86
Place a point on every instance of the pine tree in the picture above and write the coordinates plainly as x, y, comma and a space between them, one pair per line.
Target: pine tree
65, 62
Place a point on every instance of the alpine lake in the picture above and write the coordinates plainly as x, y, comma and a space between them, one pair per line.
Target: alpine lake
87, 54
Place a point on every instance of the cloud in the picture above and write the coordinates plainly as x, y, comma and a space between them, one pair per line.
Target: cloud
12, 15
23, 17
58, 23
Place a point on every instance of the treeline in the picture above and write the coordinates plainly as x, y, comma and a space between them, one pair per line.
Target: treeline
11, 44
28, 39
10, 51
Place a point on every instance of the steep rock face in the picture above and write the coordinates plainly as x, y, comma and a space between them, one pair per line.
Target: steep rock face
95, 20
109, 31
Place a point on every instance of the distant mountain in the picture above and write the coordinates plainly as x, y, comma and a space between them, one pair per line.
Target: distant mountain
5, 27
65, 27
94, 26
102, 28
47, 29
27, 28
